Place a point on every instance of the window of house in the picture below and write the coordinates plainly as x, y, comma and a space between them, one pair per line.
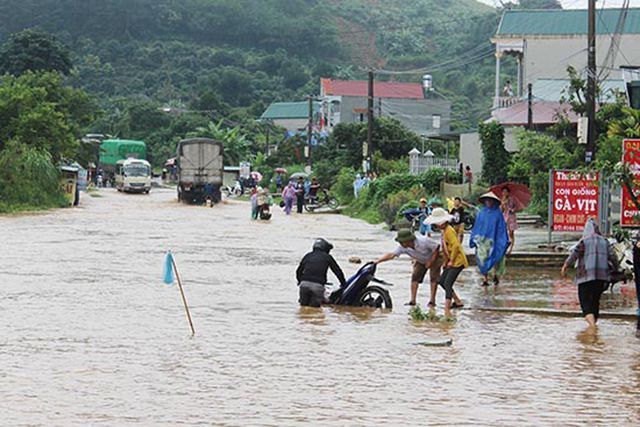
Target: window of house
435, 121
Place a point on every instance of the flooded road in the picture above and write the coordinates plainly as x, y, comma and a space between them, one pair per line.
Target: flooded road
91, 336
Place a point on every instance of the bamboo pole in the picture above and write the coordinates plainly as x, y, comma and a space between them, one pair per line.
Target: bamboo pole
184, 299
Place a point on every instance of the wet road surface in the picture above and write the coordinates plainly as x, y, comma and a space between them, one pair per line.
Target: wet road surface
91, 336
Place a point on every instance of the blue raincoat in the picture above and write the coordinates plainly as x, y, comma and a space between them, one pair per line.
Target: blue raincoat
490, 238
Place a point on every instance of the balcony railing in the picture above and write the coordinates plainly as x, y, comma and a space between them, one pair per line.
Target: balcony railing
505, 101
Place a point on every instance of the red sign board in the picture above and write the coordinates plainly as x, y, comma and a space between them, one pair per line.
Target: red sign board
631, 158
575, 199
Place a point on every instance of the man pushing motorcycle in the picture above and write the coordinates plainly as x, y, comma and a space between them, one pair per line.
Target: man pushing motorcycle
312, 273
425, 253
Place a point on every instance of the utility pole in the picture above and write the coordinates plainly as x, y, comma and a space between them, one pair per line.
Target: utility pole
310, 130
530, 107
591, 84
266, 150
370, 121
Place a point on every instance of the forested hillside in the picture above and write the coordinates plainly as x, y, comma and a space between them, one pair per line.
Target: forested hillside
228, 54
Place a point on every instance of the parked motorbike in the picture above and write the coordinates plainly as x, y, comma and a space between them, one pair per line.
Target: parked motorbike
415, 216
359, 291
234, 191
469, 218
319, 201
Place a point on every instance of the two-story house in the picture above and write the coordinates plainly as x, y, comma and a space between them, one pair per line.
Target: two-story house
543, 44
345, 101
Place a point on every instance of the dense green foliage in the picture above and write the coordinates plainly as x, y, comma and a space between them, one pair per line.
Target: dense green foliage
495, 158
28, 178
34, 51
42, 120
384, 197
39, 110
232, 58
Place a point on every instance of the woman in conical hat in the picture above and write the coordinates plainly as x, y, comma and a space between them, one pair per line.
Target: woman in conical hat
490, 238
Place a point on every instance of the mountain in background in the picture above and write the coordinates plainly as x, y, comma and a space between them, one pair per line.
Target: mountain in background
244, 54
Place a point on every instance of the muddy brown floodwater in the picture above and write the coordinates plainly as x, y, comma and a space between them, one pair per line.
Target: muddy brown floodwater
91, 336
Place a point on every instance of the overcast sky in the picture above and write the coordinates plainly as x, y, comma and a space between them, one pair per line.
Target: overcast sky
579, 4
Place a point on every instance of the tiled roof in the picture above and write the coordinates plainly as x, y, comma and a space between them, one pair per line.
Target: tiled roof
380, 89
565, 22
289, 110
544, 113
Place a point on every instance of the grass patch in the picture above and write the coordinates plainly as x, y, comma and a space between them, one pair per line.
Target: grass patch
370, 215
8, 209
416, 313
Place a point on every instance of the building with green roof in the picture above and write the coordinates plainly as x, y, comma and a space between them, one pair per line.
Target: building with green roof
544, 43
293, 116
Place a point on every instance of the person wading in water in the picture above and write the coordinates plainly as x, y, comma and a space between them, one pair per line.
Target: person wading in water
594, 256
312, 273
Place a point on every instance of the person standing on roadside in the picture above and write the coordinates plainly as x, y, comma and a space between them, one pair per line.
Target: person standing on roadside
593, 255
299, 187
468, 175
454, 258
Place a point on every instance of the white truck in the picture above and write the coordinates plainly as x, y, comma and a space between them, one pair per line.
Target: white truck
200, 170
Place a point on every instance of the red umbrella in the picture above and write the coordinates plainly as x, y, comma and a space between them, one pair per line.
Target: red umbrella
519, 193
281, 170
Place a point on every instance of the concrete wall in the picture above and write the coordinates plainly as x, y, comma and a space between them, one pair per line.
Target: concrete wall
549, 57
416, 115
471, 149
292, 124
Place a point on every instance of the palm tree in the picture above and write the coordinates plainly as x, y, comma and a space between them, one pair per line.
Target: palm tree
236, 146
628, 127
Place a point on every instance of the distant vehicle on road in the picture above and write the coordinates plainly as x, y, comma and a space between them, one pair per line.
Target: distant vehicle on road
112, 150
133, 176
200, 170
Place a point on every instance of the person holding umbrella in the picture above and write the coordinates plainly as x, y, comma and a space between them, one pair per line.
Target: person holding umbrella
508, 207
514, 197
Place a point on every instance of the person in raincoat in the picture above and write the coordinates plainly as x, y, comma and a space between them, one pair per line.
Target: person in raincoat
490, 238
357, 185
593, 275
288, 196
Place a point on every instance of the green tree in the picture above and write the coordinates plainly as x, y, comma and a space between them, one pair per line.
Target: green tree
495, 158
31, 50
539, 4
627, 126
39, 110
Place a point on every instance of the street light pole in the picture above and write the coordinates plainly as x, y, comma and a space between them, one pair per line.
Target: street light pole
370, 95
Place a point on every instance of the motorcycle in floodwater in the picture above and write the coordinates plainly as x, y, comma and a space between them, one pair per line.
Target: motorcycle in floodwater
360, 292
321, 200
